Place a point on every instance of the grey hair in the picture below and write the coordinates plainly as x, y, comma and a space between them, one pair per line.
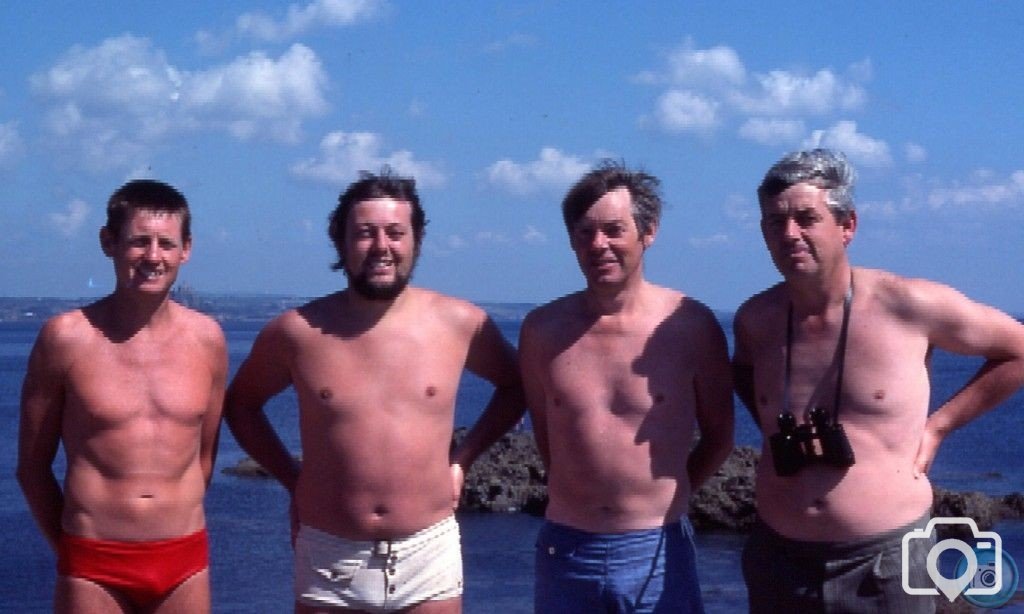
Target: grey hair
823, 168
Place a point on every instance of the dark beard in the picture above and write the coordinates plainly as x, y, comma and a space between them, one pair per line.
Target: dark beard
377, 292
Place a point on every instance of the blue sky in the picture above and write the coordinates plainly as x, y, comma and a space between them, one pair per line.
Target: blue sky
261, 113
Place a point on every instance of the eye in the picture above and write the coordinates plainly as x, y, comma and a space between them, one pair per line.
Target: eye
806, 220
614, 231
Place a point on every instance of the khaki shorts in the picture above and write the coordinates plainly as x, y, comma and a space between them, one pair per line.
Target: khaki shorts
378, 576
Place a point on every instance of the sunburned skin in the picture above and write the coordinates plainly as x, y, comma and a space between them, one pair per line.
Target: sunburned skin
132, 387
895, 323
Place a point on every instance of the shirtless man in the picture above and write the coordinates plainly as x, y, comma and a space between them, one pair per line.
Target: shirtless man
376, 368
831, 531
617, 376
132, 385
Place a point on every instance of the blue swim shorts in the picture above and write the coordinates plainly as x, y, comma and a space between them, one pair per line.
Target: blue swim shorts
652, 570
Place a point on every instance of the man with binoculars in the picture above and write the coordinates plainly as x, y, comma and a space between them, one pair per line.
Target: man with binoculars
833, 364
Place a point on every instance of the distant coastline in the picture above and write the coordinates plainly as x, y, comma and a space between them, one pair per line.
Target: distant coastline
222, 307
244, 307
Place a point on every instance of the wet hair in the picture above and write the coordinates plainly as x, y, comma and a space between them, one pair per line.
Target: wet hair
149, 195
823, 168
386, 184
644, 190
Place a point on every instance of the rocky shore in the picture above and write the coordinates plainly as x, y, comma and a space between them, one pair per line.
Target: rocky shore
510, 477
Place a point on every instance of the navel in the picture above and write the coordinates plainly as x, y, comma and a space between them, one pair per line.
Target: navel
879, 395
146, 496
380, 510
326, 394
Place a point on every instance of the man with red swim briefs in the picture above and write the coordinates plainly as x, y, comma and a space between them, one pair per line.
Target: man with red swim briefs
133, 386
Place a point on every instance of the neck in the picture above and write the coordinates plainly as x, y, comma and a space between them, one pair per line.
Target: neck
370, 307
133, 311
607, 301
819, 294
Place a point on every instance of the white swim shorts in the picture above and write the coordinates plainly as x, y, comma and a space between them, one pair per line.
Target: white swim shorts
380, 576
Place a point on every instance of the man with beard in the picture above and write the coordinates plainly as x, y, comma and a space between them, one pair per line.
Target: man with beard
376, 368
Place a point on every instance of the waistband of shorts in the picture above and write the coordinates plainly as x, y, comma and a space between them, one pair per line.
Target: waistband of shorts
843, 549
199, 536
442, 527
683, 523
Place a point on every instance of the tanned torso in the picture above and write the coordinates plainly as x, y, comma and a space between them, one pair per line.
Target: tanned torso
377, 400
883, 408
134, 411
613, 402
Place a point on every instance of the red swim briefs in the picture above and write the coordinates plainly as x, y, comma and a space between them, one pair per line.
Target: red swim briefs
144, 572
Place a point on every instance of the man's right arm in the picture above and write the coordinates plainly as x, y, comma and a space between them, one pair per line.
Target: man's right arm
39, 431
742, 365
531, 367
265, 373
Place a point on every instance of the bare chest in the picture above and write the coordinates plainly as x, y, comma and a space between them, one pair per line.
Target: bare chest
622, 375
882, 370
116, 384
386, 370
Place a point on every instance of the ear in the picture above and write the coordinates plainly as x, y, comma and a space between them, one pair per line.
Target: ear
849, 228
648, 239
107, 242
186, 250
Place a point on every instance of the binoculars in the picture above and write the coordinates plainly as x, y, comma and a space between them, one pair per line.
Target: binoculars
794, 446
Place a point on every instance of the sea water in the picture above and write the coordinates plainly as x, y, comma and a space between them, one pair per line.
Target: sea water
248, 523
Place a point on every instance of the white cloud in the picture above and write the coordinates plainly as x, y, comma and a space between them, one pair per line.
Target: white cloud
709, 241
860, 148
112, 102
302, 18
915, 153
782, 92
772, 131
67, 223
455, 242
514, 41
534, 236
706, 88
705, 66
683, 111
344, 154
553, 170
491, 237
984, 189
10, 143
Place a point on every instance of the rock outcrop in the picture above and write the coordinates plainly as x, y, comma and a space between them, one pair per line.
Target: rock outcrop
510, 477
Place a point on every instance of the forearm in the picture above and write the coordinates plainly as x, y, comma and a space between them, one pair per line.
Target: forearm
706, 457
258, 439
45, 500
990, 386
503, 412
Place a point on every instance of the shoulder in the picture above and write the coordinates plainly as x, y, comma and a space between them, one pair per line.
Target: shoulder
66, 330
554, 314
450, 310
907, 298
202, 326
763, 304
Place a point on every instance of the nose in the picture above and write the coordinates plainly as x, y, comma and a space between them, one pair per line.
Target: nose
599, 240
152, 251
792, 229
379, 240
